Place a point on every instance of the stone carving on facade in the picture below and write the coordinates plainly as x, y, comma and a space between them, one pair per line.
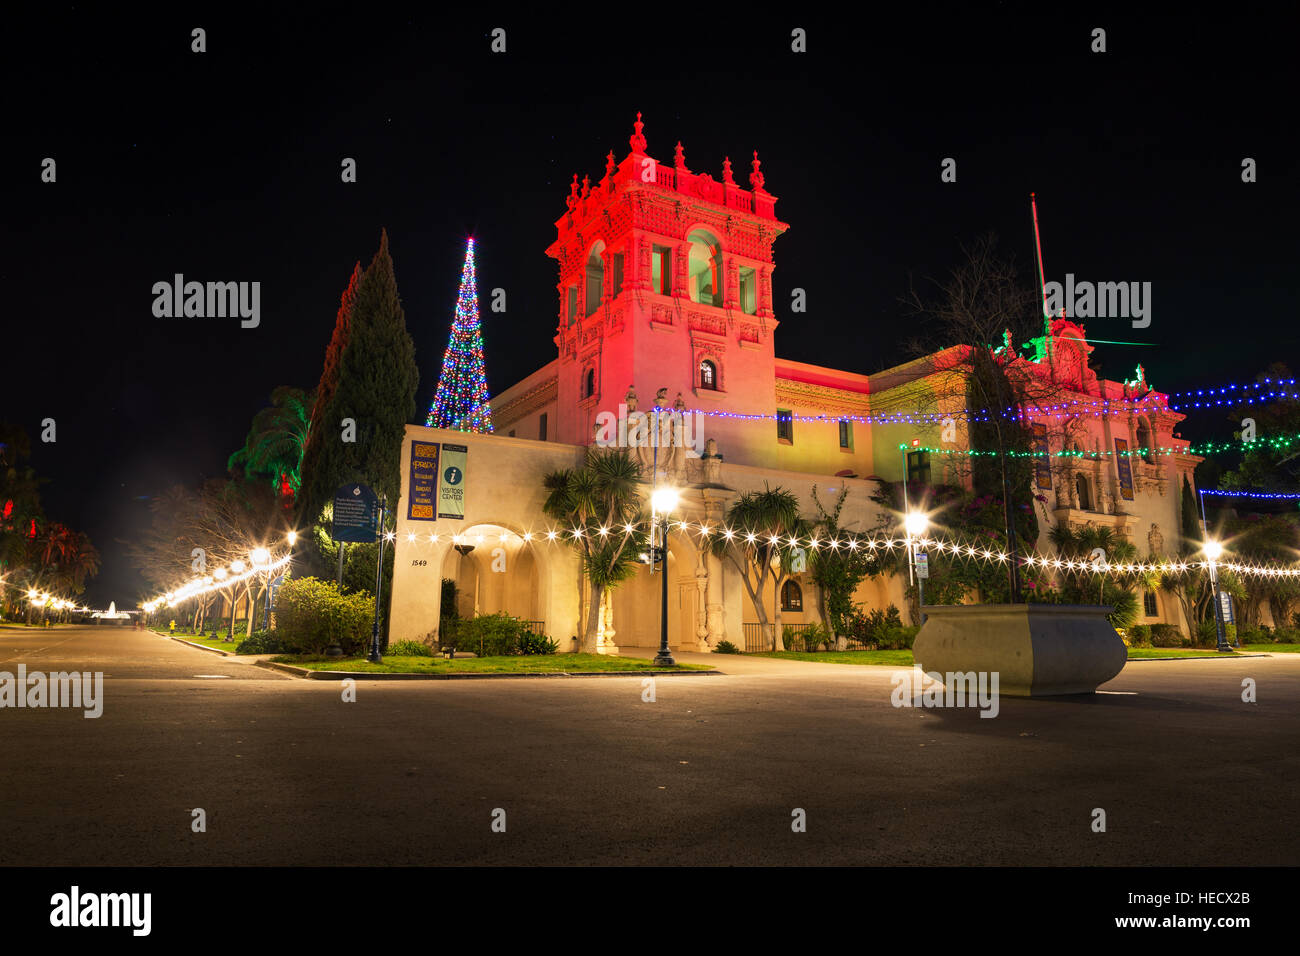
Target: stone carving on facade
1155, 540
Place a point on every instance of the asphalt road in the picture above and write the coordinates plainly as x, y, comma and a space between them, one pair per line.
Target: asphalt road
588, 773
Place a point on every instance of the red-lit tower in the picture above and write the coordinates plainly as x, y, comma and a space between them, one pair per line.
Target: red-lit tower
665, 282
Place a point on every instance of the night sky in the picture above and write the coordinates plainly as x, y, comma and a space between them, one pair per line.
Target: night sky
224, 166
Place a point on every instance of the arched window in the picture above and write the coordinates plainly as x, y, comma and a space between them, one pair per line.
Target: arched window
1144, 440
595, 278
589, 383
791, 596
1149, 606
704, 266
708, 374
1085, 499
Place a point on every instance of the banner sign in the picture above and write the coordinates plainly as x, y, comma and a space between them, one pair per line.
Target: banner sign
922, 564
356, 515
273, 591
1225, 601
1042, 461
451, 491
423, 503
1125, 468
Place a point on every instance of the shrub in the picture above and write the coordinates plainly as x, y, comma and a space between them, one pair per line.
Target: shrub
879, 628
495, 635
530, 643
1287, 635
1207, 634
1139, 635
409, 649
726, 647
262, 642
312, 614
808, 638
1254, 634
1165, 635
898, 638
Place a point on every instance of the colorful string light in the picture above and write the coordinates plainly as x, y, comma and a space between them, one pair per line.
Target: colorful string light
461, 399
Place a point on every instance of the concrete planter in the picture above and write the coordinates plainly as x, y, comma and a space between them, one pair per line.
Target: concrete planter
1038, 650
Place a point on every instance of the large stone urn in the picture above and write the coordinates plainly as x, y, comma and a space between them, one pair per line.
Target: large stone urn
1038, 650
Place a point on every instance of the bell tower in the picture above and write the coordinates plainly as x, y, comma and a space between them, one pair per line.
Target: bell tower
665, 281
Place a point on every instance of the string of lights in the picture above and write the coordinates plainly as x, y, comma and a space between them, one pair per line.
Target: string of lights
1205, 448
1073, 408
214, 582
868, 543
1288, 495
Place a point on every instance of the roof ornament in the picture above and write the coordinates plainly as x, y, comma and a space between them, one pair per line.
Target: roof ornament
609, 165
679, 156
756, 177
637, 139
572, 200
726, 172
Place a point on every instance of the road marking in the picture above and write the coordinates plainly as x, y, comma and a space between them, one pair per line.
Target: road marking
1121, 693
214, 676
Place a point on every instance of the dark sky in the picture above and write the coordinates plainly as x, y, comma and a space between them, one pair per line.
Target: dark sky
225, 166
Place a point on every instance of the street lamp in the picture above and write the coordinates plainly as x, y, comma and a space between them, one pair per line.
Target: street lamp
915, 523
662, 501
1213, 551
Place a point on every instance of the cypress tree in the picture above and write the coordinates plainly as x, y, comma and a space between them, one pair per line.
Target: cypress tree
1190, 519
377, 381
313, 495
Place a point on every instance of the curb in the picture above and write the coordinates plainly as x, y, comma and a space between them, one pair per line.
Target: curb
1205, 657
203, 647
309, 674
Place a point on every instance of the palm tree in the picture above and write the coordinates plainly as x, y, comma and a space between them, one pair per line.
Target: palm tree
275, 443
601, 502
759, 520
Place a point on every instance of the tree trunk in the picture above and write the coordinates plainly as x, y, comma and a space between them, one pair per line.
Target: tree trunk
593, 620
778, 644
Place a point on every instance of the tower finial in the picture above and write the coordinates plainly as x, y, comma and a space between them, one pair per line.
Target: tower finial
726, 172
572, 200
637, 139
609, 165
679, 156
756, 176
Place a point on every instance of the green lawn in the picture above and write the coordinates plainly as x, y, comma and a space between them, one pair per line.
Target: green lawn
889, 658
530, 664
904, 658
218, 642
1147, 653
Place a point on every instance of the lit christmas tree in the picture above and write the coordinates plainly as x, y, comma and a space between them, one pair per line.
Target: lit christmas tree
461, 401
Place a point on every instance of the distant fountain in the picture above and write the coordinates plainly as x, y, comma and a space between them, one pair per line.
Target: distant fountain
112, 614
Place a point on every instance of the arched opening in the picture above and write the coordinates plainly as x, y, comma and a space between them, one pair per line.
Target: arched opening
595, 277
589, 383
1082, 488
708, 374
704, 268
637, 603
1144, 441
495, 570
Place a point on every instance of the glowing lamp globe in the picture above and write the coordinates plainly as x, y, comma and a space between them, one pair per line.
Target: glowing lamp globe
664, 500
1213, 550
916, 523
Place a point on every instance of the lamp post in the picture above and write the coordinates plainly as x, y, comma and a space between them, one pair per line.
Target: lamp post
915, 523
261, 558
662, 502
1213, 551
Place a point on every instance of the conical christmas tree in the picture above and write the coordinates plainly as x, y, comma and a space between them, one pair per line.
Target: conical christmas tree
461, 401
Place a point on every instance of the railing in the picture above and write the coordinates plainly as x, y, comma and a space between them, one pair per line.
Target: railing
537, 628
755, 639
